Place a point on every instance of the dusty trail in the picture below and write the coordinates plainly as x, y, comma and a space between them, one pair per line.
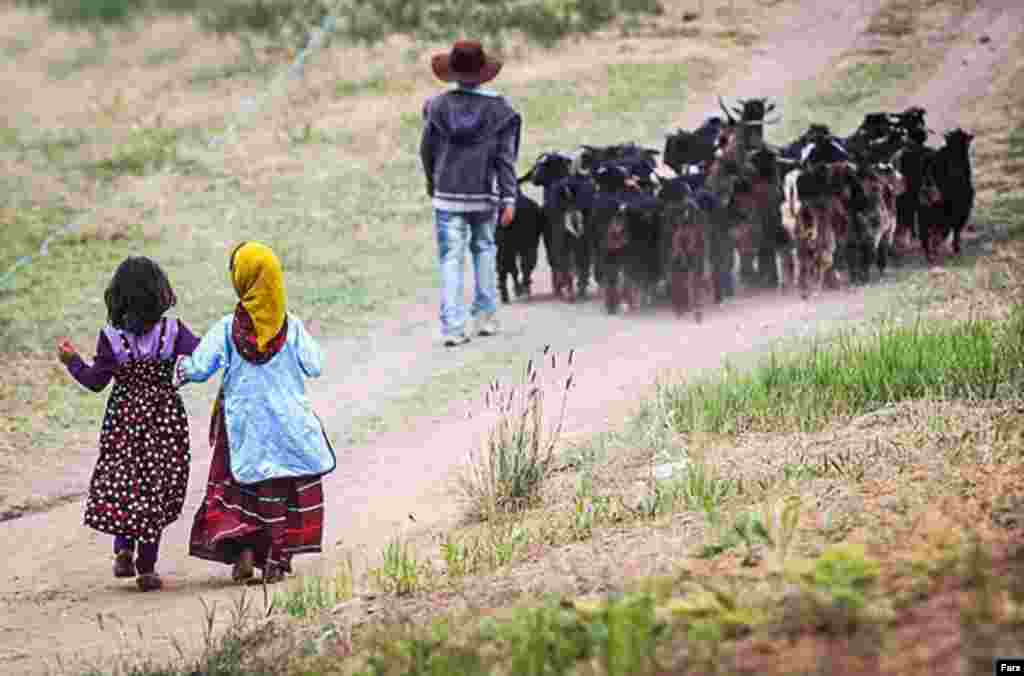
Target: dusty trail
56, 581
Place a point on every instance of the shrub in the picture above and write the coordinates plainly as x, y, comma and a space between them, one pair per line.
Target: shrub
518, 455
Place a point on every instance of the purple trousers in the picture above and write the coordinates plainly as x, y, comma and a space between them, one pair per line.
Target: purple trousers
145, 561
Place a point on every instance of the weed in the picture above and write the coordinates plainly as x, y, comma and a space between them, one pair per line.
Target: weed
594, 450
803, 470
981, 614
400, 573
501, 542
536, 641
589, 509
700, 490
518, 454
309, 135
716, 612
1015, 144
620, 635
836, 588
311, 594
697, 489
782, 527
13, 47
81, 58
146, 150
159, 57
378, 84
207, 75
895, 19
747, 529
419, 653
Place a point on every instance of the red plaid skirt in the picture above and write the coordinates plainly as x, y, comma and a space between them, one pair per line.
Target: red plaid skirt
277, 518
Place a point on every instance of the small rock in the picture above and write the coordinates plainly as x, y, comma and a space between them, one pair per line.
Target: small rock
668, 470
984, 39
690, 16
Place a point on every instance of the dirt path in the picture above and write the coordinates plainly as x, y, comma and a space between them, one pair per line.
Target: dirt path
56, 581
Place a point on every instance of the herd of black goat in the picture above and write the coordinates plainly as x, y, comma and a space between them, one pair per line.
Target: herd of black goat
822, 202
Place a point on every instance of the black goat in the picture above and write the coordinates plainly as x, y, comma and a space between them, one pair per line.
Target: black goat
518, 246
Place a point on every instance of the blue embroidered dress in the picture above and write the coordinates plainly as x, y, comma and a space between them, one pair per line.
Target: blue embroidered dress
272, 431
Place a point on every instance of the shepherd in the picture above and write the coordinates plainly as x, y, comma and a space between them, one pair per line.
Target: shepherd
469, 149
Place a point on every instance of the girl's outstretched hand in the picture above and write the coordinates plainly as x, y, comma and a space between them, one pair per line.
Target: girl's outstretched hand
66, 351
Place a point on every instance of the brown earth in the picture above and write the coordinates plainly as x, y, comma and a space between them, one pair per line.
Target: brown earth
59, 602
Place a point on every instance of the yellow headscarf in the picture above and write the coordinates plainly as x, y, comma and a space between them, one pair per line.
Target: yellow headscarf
259, 282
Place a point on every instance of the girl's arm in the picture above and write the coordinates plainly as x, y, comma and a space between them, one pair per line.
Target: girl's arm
311, 357
97, 376
211, 354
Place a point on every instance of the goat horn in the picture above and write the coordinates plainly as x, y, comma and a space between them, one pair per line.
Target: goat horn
721, 103
774, 120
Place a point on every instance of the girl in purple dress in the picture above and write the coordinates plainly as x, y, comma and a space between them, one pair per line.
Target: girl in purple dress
138, 485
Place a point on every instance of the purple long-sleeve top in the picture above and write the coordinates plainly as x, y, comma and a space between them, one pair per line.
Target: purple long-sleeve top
181, 341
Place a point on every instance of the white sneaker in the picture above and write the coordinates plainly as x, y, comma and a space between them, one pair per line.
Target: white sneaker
455, 341
487, 326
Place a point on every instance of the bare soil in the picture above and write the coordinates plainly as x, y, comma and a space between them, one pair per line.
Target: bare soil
58, 600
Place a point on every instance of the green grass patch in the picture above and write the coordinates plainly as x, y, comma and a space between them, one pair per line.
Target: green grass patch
376, 85
1015, 143
309, 595
54, 147
546, 103
851, 376
630, 85
205, 76
12, 48
164, 55
1006, 213
861, 82
145, 150
9, 137
80, 59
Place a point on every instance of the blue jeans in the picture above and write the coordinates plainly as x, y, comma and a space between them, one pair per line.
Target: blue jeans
456, 230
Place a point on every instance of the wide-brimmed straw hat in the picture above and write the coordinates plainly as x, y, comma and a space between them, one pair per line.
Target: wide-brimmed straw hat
467, 63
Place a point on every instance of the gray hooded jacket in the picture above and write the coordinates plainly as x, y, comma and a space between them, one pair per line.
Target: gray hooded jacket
469, 150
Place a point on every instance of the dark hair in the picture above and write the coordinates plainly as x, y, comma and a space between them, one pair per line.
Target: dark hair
138, 294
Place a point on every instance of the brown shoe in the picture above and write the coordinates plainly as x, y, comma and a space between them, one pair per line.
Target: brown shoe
149, 582
272, 574
124, 566
244, 569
